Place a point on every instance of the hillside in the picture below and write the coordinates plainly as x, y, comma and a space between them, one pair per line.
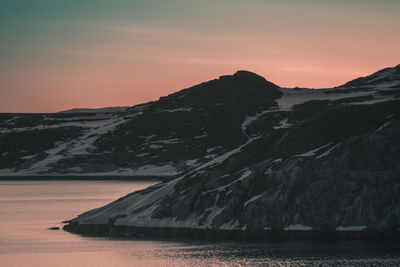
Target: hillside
251, 157
162, 138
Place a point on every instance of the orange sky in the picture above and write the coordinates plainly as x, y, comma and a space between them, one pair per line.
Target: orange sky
57, 56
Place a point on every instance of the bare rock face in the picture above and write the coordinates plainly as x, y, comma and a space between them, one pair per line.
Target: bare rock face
346, 187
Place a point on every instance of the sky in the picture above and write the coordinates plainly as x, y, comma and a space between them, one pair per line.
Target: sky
62, 54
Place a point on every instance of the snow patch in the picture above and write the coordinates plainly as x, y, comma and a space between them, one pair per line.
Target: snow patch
192, 163
223, 187
209, 150
312, 153
283, 124
142, 154
232, 225
351, 228
53, 155
384, 126
297, 227
244, 175
225, 156
252, 200
214, 212
75, 169
28, 157
248, 120
175, 110
154, 170
153, 146
377, 99
200, 136
150, 137
326, 153
292, 97
168, 141
146, 201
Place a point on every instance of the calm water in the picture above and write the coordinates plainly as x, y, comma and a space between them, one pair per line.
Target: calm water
27, 208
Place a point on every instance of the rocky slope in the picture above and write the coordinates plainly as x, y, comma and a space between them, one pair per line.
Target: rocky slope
161, 138
267, 160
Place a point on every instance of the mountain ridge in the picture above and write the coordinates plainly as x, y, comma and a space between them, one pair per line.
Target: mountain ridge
379, 76
212, 118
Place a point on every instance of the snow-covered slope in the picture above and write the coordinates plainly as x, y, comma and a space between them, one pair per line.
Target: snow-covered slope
303, 160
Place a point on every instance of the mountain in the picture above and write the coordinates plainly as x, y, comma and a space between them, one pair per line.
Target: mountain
240, 156
162, 138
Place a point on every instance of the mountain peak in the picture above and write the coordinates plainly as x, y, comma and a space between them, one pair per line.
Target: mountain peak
242, 86
244, 80
246, 76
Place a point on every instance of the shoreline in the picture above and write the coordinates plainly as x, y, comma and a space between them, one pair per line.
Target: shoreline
108, 230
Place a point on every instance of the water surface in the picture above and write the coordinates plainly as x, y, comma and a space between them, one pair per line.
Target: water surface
28, 208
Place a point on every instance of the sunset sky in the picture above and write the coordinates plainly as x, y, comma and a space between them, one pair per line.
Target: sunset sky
61, 54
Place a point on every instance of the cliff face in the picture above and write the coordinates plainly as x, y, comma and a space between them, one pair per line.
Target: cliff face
293, 160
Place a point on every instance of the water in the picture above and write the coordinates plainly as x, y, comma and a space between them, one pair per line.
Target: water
27, 208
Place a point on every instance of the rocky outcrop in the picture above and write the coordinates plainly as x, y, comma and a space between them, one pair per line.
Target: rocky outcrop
309, 164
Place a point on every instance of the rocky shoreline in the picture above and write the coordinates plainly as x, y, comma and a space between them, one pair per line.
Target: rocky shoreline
109, 230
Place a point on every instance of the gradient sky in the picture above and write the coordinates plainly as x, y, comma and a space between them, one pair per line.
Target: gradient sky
61, 54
